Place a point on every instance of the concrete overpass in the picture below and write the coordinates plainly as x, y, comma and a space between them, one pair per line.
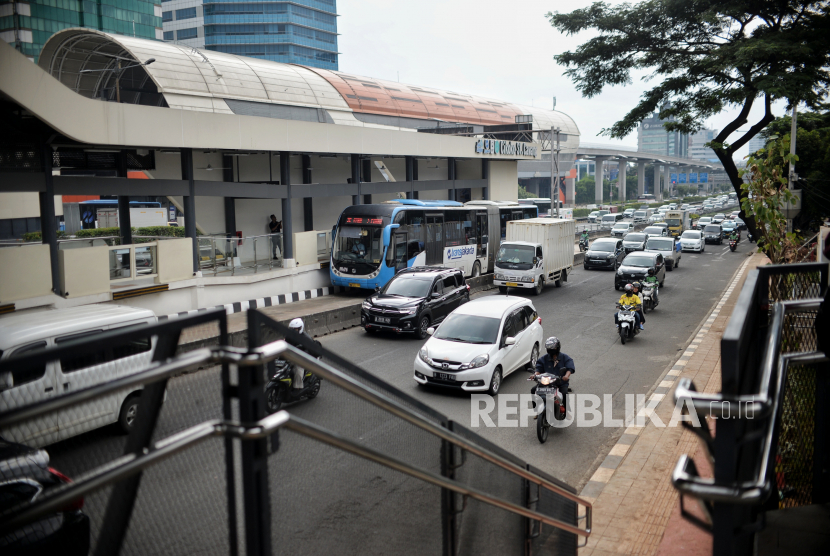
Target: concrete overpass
601, 154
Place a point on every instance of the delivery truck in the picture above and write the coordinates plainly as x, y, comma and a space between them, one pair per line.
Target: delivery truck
535, 252
678, 221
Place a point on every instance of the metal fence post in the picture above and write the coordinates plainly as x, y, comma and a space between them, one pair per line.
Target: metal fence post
255, 491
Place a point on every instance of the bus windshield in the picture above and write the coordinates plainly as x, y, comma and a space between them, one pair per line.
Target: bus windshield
355, 244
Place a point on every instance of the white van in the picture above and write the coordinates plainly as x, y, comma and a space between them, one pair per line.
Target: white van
33, 331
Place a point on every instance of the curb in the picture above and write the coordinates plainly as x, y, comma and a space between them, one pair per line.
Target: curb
605, 472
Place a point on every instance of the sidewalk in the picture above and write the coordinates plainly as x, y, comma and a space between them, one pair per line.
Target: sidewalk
636, 509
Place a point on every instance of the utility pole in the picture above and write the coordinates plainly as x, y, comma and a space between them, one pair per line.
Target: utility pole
792, 212
554, 167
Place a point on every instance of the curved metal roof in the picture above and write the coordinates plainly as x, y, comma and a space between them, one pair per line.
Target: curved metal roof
193, 79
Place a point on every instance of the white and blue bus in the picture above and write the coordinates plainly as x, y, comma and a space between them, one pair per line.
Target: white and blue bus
372, 242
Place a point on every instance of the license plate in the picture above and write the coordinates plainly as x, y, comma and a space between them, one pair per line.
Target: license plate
512, 284
383, 320
354, 285
445, 376
625, 313
545, 391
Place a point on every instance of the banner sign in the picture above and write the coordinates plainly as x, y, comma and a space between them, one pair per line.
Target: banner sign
704, 177
693, 177
506, 148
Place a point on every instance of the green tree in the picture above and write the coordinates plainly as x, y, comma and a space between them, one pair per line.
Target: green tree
523, 194
704, 56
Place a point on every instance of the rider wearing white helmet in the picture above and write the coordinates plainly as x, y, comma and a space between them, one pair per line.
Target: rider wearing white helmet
297, 325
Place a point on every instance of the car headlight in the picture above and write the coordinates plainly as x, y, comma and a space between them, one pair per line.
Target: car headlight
500, 277
424, 355
367, 305
479, 361
527, 278
620, 272
408, 311
609, 256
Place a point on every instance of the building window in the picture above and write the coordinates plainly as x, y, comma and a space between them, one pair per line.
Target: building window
187, 13
182, 34
168, 35
167, 16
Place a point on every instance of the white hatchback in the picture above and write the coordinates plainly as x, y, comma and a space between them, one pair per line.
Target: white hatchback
692, 240
480, 343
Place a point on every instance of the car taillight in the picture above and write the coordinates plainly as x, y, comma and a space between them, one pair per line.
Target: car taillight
540, 320
76, 504
468, 287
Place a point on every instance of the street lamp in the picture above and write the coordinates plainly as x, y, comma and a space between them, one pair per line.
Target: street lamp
119, 70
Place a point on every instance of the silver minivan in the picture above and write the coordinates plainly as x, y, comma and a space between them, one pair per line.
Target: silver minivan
26, 332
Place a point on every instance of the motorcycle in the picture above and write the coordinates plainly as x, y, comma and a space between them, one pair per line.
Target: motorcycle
626, 322
583, 244
733, 244
279, 389
546, 389
648, 293
749, 237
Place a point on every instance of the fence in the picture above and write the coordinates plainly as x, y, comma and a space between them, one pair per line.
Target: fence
230, 254
362, 468
770, 450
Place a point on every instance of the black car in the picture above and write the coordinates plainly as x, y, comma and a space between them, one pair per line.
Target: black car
635, 268
415, 299
713, 233
604, 253
24, 475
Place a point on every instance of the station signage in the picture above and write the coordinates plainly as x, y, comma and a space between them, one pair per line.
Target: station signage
693, 177
704, 177
505, 148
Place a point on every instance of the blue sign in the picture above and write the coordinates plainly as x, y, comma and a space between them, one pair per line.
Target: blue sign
692, 177
704, 177
682, 178
673, 178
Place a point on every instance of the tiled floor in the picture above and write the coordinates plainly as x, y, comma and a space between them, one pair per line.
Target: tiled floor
635, 506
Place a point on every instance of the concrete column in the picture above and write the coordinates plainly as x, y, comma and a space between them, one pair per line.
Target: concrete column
570, 192
655, 189
287, 230
641, 177
666, 181
415, 194
621, 179
48, 224
190, 204
451, 195
366, 177
356, 177
124, 220
485, 175
308, 206
598, 177
230, 202
410, 178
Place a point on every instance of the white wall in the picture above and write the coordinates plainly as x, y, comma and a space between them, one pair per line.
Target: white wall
24, 205
504, 183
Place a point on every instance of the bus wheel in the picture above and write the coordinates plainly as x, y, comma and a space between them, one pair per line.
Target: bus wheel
476, 270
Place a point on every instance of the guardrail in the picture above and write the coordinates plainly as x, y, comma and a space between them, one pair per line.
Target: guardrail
229, 254
768, 449
396, 439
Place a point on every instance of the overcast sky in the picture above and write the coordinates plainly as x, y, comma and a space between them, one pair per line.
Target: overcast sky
494, 48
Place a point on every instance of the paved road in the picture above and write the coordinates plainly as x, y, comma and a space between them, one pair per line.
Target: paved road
183, 500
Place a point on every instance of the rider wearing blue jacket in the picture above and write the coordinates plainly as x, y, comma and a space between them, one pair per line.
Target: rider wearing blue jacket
557, 364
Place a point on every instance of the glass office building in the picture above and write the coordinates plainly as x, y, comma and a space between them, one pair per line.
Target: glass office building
653, 138
27, 25
301, 31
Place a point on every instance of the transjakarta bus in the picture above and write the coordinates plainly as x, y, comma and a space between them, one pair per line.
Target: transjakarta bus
372, 242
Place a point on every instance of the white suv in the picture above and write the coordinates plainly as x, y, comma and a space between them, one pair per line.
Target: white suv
480, 343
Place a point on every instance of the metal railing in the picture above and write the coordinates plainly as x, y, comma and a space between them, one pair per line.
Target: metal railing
141, 453
231, 254
769, 415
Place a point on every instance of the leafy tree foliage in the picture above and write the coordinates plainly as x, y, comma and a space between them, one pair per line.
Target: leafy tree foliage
703, 56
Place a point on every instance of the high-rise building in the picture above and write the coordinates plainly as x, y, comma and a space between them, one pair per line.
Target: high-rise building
27, 25
653, 138
698, 148
757, 143
301, 31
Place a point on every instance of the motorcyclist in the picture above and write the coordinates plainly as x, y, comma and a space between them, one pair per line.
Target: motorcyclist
733, 236
630, 298
636, 287
584, 237
556, 363
652, 279
297, 325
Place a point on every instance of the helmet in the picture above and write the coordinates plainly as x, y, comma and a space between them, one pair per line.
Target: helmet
651, 272
552, 345
297, 325
628, 288
636, 285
